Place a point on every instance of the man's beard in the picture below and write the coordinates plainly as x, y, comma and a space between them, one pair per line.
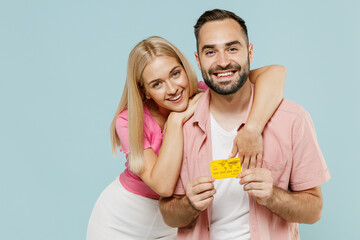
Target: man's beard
227, 88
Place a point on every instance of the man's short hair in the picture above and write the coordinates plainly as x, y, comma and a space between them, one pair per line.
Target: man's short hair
216, 15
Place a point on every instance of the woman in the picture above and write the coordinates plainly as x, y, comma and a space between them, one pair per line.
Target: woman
160, 81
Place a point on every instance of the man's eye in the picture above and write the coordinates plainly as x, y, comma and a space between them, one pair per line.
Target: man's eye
210, 52
232, 49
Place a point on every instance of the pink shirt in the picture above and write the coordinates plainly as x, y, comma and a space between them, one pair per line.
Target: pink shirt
152, 139
291, 153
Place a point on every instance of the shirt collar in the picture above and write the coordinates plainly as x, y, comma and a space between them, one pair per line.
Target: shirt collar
202, 111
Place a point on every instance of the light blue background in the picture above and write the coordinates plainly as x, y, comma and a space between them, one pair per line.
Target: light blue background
62, 71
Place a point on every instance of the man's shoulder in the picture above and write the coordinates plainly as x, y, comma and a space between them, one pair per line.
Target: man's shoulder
289, 109
289, 116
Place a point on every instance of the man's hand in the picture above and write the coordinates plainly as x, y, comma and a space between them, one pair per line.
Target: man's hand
249, 144
182, 211
200, 192
258, 182
301, 206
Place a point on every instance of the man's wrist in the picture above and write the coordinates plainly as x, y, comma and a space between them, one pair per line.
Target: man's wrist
192, 206
271, 201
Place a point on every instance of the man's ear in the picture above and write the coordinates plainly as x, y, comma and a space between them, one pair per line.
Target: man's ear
197, 60
251, 52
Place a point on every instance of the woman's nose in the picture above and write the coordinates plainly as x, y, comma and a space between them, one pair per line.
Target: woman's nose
171, 88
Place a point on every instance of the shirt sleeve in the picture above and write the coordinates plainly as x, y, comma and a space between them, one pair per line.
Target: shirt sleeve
123, 131
202, 85
309, 168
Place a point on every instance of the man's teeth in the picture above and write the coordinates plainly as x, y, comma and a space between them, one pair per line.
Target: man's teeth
225, 74
175, 98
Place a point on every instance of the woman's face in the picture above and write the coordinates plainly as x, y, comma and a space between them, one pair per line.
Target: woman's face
166, 82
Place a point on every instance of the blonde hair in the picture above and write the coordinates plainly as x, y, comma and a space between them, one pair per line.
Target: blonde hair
133, 98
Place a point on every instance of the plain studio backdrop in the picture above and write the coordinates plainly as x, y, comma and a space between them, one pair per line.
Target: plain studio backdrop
62, 72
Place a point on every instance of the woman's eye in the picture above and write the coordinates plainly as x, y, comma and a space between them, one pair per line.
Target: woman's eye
156, 85
176, 74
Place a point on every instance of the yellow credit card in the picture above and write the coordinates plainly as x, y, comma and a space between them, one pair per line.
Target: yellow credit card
225, 168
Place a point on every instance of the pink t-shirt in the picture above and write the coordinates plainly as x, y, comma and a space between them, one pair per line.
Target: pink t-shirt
152, 139
291, 153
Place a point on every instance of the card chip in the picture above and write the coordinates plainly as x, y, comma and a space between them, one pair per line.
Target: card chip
225, 168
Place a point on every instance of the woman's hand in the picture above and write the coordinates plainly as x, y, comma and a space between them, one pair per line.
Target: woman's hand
167, 164
185, 115
249, 144
269, 90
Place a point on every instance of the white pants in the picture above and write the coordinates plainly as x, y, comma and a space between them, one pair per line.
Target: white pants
120, 214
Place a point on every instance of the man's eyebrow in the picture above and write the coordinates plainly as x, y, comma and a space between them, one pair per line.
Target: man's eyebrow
226, 44
207, 46
233, 43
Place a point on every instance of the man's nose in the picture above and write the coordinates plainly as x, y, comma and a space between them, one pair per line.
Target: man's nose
223, 60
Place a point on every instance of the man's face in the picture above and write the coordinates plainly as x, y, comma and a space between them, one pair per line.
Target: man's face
224, 56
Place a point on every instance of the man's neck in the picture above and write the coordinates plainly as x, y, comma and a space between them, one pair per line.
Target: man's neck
230, 110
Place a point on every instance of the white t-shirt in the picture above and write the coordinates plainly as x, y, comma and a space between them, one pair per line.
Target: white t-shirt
230, 208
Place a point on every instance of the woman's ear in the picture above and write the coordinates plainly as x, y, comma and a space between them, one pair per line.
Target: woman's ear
144, 93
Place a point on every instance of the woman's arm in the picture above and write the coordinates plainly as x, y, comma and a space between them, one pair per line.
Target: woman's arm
162, 172
269, 90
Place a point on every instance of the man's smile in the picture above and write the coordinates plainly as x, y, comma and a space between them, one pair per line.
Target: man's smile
225, 75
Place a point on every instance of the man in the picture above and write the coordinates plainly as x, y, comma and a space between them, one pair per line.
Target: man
270, 201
